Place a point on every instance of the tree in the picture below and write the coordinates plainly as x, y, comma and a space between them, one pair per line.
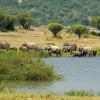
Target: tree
25, 20
55, 28
96, 22
79, 29
6, 21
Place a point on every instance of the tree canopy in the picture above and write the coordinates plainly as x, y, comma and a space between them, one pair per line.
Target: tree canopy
79, 29
59, 11
25, 20
55, 28
6, 21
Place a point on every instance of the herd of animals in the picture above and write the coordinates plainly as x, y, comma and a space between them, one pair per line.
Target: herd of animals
72, 49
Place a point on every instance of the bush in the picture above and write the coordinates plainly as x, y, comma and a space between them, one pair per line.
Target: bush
55, 28
80, 93
95, 33
22, 66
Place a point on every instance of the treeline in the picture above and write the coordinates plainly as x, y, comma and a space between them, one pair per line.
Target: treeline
60, 11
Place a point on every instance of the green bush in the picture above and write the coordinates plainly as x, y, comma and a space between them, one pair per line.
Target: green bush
55, 28
23, 66
80, 93
95, 33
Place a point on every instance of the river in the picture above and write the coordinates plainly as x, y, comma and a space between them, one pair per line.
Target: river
79, 74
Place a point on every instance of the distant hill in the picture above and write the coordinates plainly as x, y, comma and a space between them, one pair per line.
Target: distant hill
62, 11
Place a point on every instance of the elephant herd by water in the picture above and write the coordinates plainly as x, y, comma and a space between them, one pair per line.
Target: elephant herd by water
72, 49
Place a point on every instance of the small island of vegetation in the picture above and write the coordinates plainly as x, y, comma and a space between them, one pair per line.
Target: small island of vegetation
18, 66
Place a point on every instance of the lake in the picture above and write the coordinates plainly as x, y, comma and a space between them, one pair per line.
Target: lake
79, 74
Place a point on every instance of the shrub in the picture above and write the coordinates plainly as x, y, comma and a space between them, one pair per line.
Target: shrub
55, 28
95, 33
22, 66
80, 93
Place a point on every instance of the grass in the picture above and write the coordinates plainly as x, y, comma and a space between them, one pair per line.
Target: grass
16, 96
23, 66
42, 36
80, 93
98, 51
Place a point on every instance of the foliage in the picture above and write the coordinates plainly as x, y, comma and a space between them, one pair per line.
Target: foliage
80, 93
6, 22
79, 29
65, 12
25, 20
55, 28
96, 21
98, 51
95, 33
23, 66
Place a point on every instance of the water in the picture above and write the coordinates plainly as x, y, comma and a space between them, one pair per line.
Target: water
79, 74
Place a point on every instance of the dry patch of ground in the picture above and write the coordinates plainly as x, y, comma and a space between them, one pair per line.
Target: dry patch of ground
41, 36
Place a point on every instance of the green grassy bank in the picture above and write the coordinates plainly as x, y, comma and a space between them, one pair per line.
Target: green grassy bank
12, 96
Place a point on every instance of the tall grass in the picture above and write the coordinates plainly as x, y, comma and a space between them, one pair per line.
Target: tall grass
80, 93
22, 66
98, 51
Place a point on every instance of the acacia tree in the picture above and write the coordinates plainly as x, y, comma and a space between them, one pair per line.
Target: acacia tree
25, 20
55, 28
79, 29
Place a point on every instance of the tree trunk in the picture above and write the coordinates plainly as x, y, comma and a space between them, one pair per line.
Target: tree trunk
55, 35
79, 36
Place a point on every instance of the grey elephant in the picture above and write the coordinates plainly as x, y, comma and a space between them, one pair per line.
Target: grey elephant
87, 51
5, 45
76, 54
30, 46
67, 47
53, 50
23, 48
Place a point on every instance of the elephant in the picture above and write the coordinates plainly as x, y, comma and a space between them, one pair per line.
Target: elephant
53, 50
5, 45
47, 47
69, 47
30, 46
23, 48
77, 54
87, 51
